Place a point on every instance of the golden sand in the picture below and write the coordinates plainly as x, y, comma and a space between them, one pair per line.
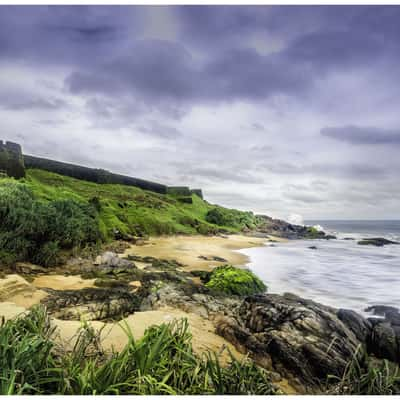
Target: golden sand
61, 282
187, 249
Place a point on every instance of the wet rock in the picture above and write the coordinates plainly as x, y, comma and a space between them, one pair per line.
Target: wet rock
360, 326
385, 337
379, 242
384, 343
300, 337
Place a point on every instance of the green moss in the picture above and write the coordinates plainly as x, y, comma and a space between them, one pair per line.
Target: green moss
230, 280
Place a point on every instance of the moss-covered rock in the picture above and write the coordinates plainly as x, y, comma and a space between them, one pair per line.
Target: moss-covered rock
230, 280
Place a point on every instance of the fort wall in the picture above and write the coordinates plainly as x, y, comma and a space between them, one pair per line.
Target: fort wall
13, 163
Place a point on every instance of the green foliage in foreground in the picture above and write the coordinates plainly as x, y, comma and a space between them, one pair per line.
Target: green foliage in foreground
230, 280
161, 362
366, 376
36, 230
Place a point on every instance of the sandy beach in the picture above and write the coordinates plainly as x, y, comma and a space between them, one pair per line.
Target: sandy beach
192, 250
17, 295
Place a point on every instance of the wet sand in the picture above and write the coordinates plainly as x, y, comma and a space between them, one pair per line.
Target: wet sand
187, 249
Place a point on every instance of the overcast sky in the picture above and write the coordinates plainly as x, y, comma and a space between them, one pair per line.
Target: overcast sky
280, 110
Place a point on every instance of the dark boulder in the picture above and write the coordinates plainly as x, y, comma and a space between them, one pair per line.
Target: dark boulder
385, 337
384, 343
298, 337
360, 326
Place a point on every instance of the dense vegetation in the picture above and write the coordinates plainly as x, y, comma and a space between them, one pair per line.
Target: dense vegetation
46, 212
161, 362
230, 280
34, 230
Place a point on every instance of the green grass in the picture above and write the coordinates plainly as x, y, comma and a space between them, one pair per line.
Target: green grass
132, 210
230, 280
367, 376
161, 362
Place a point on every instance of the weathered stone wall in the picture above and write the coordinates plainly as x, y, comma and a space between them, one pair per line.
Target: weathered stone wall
13, 163
11, 160
91, 174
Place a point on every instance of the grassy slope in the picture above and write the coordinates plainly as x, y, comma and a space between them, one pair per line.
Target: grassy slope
128, 209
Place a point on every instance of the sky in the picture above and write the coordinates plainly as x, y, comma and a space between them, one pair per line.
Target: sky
282, 110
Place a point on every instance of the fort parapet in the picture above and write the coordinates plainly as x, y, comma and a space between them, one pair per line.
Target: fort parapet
11, 160
13, 163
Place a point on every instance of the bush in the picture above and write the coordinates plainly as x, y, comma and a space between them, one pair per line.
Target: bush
34, 231
161, 362
230, 280
229, 217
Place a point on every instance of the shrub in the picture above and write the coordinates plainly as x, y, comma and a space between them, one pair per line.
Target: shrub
229, 217
33, 230
230, 280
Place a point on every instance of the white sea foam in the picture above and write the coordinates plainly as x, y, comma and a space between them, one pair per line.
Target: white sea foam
339, 273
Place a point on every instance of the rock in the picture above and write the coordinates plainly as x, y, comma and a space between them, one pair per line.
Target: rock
385, 338
329, 237
111, 259
360, 326
276, 227
389, 313
92, 303
300, 337
191, 298
348, 238
29, 269
213, 258
313, 247
384, 343
379, 242
219, 259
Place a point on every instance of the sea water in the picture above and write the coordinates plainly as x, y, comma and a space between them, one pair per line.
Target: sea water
340, 273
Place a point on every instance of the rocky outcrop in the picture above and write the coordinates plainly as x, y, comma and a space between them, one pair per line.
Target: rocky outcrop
379, 242
303, 339
278, 227
92, 303
192, 298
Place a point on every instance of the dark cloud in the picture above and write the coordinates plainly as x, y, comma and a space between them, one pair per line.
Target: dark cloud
362, 135
230, 98
18, 100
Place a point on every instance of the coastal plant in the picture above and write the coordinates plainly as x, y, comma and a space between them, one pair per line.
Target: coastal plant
27, 362
162, 361
364, 375
235, 281
36, 230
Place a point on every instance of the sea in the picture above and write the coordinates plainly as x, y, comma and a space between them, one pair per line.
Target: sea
339, 272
